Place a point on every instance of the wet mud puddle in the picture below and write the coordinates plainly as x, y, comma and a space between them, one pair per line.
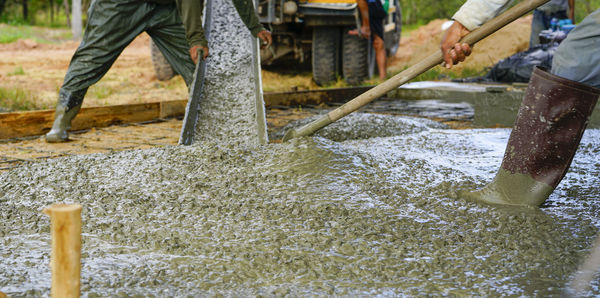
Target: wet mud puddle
342, 213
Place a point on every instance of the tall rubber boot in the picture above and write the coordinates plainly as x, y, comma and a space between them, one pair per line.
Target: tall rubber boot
66, 109
548, 129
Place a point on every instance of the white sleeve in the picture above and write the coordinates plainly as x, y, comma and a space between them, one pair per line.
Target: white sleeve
476, 12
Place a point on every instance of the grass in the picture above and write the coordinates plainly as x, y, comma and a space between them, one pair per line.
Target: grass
19, 99
12, 33
440, 73
17, 72
101, 91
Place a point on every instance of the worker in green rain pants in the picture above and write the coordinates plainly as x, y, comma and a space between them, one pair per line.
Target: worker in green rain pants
174, 25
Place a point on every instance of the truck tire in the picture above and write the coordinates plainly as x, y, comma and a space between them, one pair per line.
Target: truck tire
325, 54
355, 54
162, 68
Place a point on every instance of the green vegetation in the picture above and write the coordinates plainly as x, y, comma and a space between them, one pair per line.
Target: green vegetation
47, 13
101, 90
440, 73
17, 72
10, 33
420, 12
18, 99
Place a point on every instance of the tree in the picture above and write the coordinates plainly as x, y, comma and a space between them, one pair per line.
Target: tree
76, 19
2, 4
25, 10
68, 15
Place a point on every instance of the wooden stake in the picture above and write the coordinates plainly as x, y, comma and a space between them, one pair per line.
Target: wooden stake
66, 249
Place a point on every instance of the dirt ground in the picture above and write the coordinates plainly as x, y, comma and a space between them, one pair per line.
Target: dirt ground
130, 80
39, 68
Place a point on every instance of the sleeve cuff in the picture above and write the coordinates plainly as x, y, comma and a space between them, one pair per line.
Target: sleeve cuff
476, 12
256, 30
464, 19
467, 16
198, 42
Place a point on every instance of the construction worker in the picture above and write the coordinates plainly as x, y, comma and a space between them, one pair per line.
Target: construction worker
373, 13
543, 15
553, 115
174, 25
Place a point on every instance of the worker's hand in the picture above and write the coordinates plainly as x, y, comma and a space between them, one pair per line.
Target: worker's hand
194, 53
365, 32
266, 37
452, 50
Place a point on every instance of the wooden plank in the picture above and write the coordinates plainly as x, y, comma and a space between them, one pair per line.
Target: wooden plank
22, 124
33, 123
172, 108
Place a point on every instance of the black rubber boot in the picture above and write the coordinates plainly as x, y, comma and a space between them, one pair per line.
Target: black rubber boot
67, 108
548, 129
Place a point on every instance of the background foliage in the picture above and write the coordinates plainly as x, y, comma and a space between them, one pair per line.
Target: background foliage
37, 12
415, 12
420, 12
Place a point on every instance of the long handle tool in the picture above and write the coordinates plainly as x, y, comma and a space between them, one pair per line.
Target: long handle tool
433, 60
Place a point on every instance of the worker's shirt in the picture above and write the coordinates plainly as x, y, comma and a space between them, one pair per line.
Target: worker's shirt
476, 12
191, 16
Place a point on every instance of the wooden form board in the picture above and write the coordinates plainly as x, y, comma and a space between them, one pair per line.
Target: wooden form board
35, 123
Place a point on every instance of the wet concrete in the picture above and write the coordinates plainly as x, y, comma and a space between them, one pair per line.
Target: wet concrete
363, 215
366, 207
493, 105
229, 99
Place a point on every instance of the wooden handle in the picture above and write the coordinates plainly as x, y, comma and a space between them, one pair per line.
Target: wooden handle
66, 249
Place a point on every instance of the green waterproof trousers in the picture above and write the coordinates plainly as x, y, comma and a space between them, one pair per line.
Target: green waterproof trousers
112, 25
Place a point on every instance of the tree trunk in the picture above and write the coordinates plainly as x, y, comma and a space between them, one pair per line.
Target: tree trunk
51, 2
25, 10
76, 19
67, 12
2, 2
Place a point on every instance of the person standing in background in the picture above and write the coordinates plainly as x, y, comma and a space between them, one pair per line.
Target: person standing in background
372, 13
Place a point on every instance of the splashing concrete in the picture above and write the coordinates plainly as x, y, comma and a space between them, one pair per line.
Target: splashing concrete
228, 110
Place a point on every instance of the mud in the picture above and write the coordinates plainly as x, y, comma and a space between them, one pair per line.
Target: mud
364, 216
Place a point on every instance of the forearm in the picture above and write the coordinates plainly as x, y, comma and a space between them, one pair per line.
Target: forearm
191, 16
476, 12
245, 9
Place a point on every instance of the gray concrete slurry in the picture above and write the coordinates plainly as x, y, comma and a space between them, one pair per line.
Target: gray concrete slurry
364, 216
228, 107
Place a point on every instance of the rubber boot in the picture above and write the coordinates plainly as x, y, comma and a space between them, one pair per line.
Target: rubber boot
67, 108
548, 129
